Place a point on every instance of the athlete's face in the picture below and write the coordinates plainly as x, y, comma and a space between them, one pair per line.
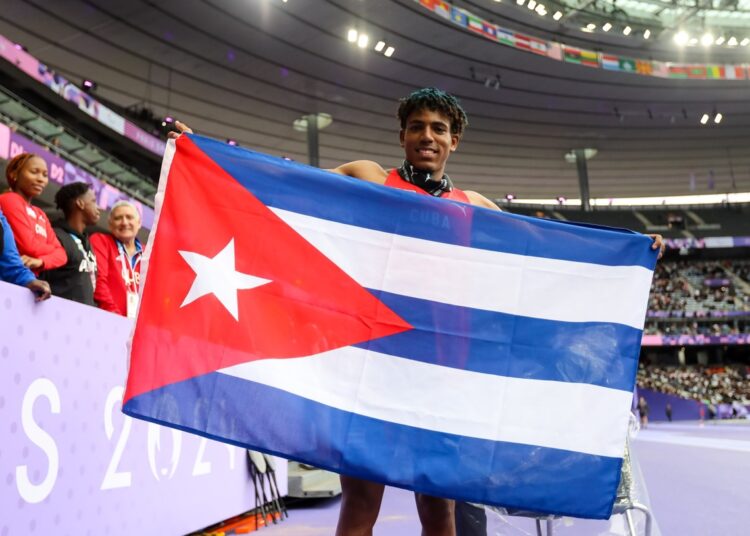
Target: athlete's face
32, 179
124, 223
427, 141
87, 205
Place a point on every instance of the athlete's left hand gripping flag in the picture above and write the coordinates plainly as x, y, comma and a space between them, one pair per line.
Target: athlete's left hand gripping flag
415, 341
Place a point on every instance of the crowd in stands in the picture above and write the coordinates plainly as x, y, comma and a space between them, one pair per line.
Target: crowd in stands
60, 258
718, 290
713, 385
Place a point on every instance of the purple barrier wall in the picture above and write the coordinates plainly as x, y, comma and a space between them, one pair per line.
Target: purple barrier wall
682, 408
70, 461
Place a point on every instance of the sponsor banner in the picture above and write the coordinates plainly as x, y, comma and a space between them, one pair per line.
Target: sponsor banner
19, 57
72, 93
695, 340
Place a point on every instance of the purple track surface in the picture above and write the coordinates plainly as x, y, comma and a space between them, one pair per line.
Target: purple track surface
697, 478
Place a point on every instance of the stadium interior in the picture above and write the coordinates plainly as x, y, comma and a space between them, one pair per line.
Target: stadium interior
95, 87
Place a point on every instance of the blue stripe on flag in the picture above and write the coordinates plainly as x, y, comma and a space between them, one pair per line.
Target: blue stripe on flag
298, 188
596, 353
475, 470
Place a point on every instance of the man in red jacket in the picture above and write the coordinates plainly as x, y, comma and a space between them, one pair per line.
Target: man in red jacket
118, 261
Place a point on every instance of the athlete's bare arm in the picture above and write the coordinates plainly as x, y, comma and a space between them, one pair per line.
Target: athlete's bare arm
366, 170
479, 200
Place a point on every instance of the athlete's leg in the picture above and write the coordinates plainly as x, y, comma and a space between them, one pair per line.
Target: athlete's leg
436, 515
360, 504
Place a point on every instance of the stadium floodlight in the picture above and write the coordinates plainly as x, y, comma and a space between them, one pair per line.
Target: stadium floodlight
541, 10
732, 41
389, 52
88, 85
693, 41
558, 15
719, 40
232, 142
718, 117
707, 39
607, 26
520, 2
646, 33
531, 5
510, 197
561, 199
681, 38
590, 27
627, 30
704, 119
352, 35
380, 46
745, 42
362, 40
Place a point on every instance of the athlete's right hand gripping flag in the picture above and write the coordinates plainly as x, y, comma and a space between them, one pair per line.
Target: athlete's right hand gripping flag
419, 342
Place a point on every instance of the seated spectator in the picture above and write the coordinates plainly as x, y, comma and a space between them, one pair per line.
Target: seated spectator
118, 261
36, 241
12, 269
76, 279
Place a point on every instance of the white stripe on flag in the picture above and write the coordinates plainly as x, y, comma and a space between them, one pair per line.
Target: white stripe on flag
533, 287
571, 416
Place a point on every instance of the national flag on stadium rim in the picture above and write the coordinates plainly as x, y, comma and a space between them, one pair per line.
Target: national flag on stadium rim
644, 67
420, 342
459, 16
715, 72
627, 65
443, 9
505, 37
589, 58
660, 69
537, 46
429, 4
734, 72
554, 51
696, 72
474, 23
489, 29
677, 71
522, 41
571, 54
610, 63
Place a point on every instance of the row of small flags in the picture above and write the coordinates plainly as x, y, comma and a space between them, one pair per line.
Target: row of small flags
589, 58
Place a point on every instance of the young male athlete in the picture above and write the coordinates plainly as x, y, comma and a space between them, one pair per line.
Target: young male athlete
432, 123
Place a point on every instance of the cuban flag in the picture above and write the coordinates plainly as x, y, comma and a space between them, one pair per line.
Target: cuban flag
420, 342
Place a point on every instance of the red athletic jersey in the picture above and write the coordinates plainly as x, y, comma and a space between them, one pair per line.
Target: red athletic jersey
394, 180
32, 231
113, 275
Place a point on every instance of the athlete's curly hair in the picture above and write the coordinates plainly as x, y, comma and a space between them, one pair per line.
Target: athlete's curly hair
435, 100
68, 194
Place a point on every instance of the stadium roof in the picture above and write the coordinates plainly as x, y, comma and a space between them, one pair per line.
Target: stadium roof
246, 69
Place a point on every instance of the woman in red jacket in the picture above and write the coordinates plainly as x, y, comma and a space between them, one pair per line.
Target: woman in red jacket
118, 261
36, 241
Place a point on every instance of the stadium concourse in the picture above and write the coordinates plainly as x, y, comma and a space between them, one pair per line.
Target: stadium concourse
607, 115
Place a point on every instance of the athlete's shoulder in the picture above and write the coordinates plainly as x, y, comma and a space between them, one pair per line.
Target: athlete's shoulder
475, 198
366, 170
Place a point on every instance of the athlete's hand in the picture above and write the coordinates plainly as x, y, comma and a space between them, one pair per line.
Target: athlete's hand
40, 289
182, 129
658, 244
32, 263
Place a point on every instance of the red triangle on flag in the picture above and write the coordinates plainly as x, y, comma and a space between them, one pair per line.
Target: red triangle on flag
310, 306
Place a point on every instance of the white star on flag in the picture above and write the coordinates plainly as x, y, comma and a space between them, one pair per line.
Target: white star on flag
219, 277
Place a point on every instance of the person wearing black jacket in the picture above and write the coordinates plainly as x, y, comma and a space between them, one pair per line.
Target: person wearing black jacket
76, 279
